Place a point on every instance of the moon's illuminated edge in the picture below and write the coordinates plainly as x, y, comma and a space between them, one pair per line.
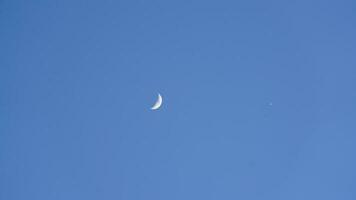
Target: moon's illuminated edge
158, 103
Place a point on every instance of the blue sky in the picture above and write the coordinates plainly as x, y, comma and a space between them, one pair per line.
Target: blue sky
259, 100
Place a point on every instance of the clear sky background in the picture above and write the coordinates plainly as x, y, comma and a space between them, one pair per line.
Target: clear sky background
259, 100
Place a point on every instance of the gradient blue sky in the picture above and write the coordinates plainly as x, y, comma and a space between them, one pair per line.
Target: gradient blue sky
77, 79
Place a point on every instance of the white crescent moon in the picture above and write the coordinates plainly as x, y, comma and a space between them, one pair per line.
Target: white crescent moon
158, 103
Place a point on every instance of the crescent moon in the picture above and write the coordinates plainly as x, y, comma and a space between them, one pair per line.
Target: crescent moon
158, 103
